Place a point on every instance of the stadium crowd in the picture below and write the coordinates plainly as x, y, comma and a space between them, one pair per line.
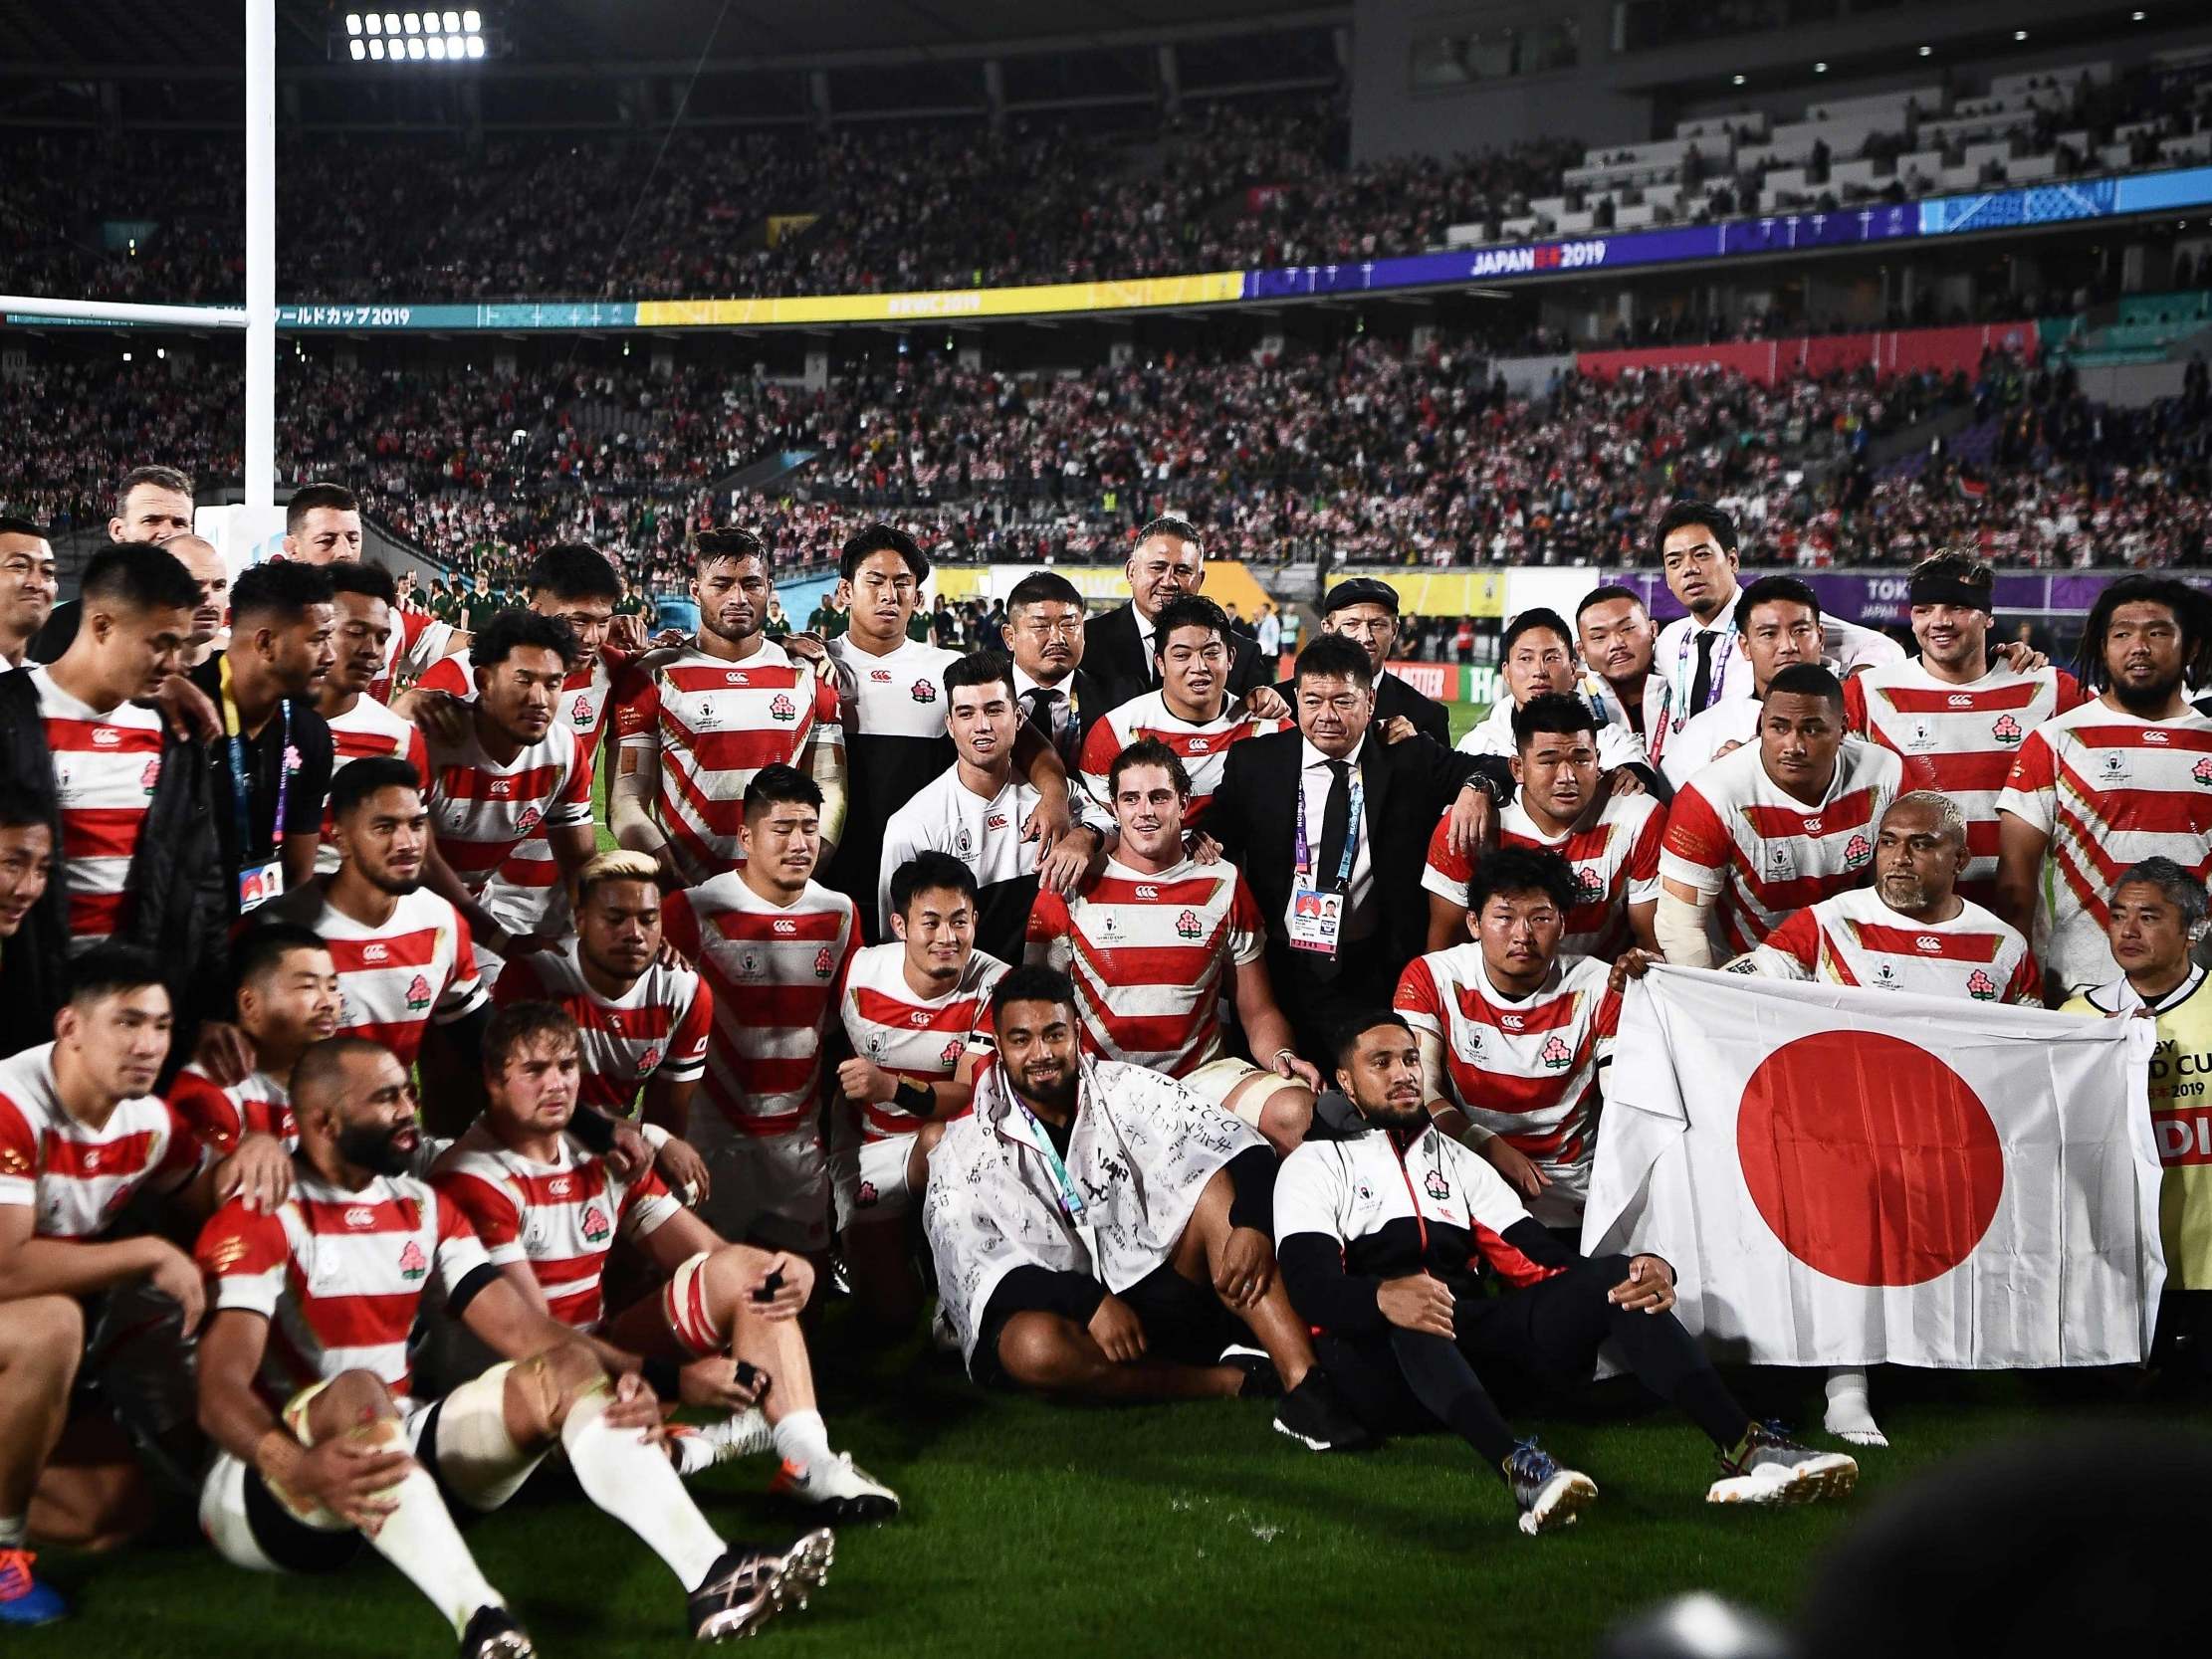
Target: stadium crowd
1221, 1034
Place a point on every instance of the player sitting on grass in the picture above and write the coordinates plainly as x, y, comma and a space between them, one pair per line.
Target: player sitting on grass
1386, 1239
1101, 1232
305, 1371
721, 1333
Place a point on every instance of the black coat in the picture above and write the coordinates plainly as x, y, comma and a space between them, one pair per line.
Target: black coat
177, 899
33, 963
1409, 787
1092, 701
1393, 696
1114, 657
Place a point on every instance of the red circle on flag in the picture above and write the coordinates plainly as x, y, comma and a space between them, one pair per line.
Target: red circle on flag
1870, 1157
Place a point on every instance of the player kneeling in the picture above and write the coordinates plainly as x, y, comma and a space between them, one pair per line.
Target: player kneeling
303, 1377
1384, 1240
722, 1330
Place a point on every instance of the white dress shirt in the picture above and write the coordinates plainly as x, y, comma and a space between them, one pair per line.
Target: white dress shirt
1314, 778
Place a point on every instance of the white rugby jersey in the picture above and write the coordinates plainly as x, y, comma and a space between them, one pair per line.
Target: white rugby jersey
710, 725
394, 980
985, 835
2110, 790
219, 1114
105, 768
1203, 747
339, 1276
481, 811
1526, 1068
1735, 834
559, 1218
1616, 863
367, 730
1617, 745
1958, 740
658, 1028
1854, 939
1700, 740
777, 975
919, 1039
415, 645
893, 708
74, 1179
1151, 956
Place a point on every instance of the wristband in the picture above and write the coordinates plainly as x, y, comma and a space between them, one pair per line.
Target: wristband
655, 1136
915, 1097
664, 1377
1276, 1064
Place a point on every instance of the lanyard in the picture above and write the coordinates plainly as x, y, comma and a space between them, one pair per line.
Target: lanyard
240, 791
1351, 833
1071, 1201
1685, 676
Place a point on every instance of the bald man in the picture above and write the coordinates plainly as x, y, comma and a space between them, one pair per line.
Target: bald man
211, 621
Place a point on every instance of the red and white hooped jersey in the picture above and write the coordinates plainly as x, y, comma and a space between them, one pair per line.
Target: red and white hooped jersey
1616, 863
2110, 790
367, 730
397, 978
105, 768
76, 1179
1151, 956
260, 1105
1958, 740
1203, 747
711, 724
916, 1038
659, 1028
777, 975
560, 1217
481, 811
414, 647
1736, 835
1854, 938
339, 1276
1526, 1068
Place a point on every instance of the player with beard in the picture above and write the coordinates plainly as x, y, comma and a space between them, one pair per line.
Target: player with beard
288, 1000
1387, 1239
404, 962
1617, 636
1615, 855
1101, 1233
1777, 623
696, 724
1953, 716
2121, 779
305, 1374
211, 621
366, 605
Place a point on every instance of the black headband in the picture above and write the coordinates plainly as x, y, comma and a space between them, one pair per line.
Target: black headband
1939, 589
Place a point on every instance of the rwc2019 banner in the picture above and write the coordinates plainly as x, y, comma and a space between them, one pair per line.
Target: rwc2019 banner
1846, 1178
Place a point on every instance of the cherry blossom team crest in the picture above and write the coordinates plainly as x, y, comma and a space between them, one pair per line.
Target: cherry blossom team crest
418, 995
1981, 987
527, 819
782, 708
822, 963
1589, 885
949, 1055
2202, 770
1437, 1186
924, 691
151, 776
580, 715
1856, 851
595, 1225
2007, 729
648, 1060
412, 1263
1188, 926
1555, 1053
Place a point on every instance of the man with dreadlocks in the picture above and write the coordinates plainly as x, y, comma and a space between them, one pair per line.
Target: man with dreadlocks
2123, 777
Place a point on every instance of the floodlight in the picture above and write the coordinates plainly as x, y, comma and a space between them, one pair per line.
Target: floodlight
437, 47
453, 23
473, 22
476, 44
392, 23
376, 50
413, 21
374, 23
416, 52
359, 51
353, 22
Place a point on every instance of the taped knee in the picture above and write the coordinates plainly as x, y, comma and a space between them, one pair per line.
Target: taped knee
689, 1307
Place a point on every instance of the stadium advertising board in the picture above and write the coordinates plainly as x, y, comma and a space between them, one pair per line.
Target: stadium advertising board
1877, 599
1890, 350
950, 305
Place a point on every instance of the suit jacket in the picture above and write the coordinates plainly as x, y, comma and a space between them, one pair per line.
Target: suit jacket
1408, 786
1093, 701
1393, 696
1114, 657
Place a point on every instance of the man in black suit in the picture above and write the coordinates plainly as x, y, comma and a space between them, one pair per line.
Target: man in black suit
1044, 634
1365, 611
1167, 562
1344, 920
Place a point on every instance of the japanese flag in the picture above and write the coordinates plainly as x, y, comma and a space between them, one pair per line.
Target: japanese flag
1845, 1177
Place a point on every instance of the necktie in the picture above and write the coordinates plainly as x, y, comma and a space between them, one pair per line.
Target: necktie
1336, 825
1702, 684
1044, 714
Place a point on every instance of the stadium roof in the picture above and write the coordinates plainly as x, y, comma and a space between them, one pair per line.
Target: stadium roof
142, 37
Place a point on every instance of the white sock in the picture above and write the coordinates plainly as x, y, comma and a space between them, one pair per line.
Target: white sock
689, 1454
801, 1437
420, 1539
14, 1529
637, 1485
1850, 1415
